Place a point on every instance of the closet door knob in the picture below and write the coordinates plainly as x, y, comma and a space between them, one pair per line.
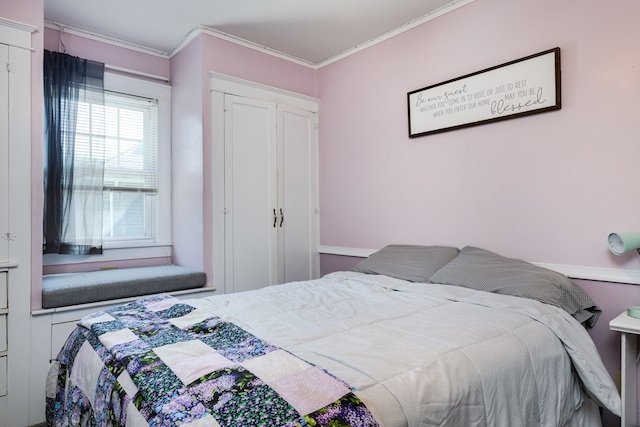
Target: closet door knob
281, 217
275, 218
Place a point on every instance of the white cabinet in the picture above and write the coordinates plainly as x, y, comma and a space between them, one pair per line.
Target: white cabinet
265, 187
15, 221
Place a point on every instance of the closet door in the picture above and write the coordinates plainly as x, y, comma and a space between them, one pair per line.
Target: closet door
297, 149
264, 185
251, 204
4, 150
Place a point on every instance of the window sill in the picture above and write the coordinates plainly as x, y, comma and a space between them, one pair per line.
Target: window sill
111, 254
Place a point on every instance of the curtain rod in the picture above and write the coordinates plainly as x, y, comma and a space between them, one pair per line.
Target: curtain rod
135, 73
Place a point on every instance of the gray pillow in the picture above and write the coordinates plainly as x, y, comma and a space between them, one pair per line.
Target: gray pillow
407, 262
486, 271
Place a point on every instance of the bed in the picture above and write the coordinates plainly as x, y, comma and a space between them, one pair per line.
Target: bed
413, 336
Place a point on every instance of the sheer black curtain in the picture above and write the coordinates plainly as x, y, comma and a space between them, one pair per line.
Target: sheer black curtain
73, 154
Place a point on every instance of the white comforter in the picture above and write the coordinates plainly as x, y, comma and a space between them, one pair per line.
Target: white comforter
424, 354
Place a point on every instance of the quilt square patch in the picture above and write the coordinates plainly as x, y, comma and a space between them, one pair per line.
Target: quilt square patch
309, 390
168, 336
99, 317
236, 344
127, 384
177, 407
191, 360
349, 410
86, 373
206, 327
176, 310
162, 302
110, 339
128, 349
134, 417
153, 378
217, 388
189, 319
260, 406
275, 365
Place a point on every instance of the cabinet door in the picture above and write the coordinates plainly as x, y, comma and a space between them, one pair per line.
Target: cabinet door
297, 192
250, 194
4, 150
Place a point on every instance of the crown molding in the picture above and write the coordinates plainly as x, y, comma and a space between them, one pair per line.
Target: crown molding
575, 272
453, 5
202, 29
105, 39
449, 7
17, 25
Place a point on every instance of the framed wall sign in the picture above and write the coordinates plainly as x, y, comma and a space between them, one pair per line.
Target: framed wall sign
525, 86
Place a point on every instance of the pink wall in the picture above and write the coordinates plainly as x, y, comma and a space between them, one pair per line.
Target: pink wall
546, 188
28, 12
244, 63
188, 95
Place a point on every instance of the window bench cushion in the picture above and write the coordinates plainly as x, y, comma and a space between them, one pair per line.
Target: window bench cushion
66, 289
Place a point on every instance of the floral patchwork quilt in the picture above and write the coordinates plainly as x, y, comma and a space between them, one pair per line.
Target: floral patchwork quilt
161, 362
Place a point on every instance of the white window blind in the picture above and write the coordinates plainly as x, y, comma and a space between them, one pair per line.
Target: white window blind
130, 144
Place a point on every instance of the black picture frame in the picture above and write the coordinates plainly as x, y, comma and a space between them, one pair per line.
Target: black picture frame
518, 88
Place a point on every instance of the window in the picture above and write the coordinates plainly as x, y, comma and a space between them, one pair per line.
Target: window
130, 184
137, 186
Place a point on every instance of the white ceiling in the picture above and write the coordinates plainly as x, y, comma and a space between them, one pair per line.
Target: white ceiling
311, 31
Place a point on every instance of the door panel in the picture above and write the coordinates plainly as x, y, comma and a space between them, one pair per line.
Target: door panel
250, 193
297, 138
4, 158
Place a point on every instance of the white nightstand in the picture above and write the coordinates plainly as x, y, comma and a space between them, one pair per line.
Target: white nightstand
630, 328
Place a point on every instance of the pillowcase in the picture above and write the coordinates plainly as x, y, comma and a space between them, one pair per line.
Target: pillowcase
486, 271
407, 262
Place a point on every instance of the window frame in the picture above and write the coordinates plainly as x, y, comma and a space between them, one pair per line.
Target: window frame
145, 248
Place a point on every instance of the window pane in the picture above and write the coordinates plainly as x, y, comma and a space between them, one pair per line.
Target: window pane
111, 153
111, 119
124, 215
131, 155
131, 143
132, 124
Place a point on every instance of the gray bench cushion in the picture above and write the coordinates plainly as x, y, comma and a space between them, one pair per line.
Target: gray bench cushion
66, 289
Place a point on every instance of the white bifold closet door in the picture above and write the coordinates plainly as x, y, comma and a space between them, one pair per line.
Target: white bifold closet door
270, 193
4, 158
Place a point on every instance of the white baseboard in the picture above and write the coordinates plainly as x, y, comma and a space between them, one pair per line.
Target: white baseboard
572, 271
